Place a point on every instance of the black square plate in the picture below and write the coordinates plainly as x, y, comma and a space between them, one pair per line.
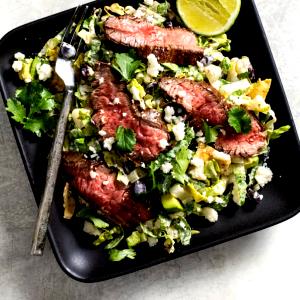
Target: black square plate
281, 197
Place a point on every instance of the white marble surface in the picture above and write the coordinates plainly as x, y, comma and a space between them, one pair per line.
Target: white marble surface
264, 265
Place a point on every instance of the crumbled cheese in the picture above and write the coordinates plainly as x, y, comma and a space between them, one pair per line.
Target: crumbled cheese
201, 139
124, 114
105, 182
116, 101
148, 2
163, 143
143, 165
210, 214
199, 133
107, 143
243, 65
17, 66
44, 71
101, 80
263, 175
219, 155
19, 56
92, 149
93, 174
166, 167
102, 133
213, 73
169, 112
179, 131
197, 171
153, 66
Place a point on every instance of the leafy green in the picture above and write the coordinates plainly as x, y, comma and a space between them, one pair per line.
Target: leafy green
210, 133
135, 238
169, 157
218, 42
279, 131
239, 191
162, 8
184, 230
118, 255
33, 106
225, 65
181, 163
125, 138
239, 120
115, 242
126, 64
187, 72
17, 109
88, 214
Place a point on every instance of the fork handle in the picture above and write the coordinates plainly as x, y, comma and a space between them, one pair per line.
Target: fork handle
39, 236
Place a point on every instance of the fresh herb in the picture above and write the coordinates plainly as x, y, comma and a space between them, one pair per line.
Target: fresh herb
184, 230
218, 42
169, 157
181, 163
118, 255
126, 64
125, 138
163, 8
33, 106
239, 120
279, 131
210, 133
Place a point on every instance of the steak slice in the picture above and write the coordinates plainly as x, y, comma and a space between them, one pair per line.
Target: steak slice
177, 45
113, 109
99, 186
203, 102
200, 100
243, 145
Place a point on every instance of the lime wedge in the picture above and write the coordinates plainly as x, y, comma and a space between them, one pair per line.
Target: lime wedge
208, 17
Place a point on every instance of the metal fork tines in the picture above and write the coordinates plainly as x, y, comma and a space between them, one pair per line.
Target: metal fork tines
68, 50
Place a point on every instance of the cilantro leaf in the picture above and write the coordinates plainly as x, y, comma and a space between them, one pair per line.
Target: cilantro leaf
17, 109
33, 107
181, 163
126, 65
239, 120
125, 138
279, 131
36, 125
211, 133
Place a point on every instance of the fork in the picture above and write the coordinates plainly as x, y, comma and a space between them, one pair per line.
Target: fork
64, 69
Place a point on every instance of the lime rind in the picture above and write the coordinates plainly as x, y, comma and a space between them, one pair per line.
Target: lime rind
214, 8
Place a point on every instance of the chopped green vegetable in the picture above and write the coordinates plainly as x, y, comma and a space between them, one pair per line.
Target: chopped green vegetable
126, 64
184, 230
118, 255
17, 109
181, 163
88, 214
278, 132
125, 138
239, 120
210, 133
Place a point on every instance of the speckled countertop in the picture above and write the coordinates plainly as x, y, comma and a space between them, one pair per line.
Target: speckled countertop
264, 265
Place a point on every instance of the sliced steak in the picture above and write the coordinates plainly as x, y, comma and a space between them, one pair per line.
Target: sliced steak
98, 185
243, 145
203, 102
175, 45
200, 100
113, 109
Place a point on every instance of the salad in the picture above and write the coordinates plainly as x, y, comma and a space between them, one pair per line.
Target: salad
158, 132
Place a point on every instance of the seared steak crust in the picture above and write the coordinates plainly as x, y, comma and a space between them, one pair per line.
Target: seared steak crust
99, 186
200, 100
113, 109
243, 145
176, 45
